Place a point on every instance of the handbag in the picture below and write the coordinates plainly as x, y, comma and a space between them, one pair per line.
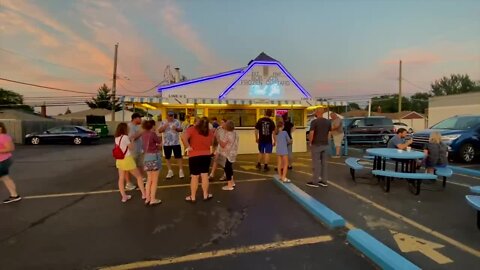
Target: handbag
117, 151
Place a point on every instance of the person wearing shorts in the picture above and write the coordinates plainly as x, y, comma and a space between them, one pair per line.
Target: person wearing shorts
337, 133
152, 162
265, 138
198, 140
135, 135
6, 149
171, 129
127, 164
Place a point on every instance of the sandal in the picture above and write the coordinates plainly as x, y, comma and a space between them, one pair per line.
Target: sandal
128, 197
209, 197
155, 202
189, 199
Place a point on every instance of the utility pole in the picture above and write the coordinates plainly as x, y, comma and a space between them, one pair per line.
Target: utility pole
400, 88
370, 107
114, 84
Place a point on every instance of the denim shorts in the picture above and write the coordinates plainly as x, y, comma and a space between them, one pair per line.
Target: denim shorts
152, 162
265, 148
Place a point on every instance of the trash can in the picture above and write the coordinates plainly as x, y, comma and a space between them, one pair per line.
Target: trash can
97, 124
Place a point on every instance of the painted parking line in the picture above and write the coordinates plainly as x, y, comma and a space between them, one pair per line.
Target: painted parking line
405, 219
73, 194
223, 253
370, 163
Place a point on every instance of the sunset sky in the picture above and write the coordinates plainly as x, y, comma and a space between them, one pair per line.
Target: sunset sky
334, 48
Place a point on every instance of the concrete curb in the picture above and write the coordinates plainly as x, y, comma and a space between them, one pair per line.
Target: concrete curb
376, 251
314, 207
466, 171
475, 189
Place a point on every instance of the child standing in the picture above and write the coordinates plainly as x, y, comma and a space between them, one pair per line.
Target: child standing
283, 140
436, 153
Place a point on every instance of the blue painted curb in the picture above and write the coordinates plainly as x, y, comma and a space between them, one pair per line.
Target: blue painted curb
475, 189
379, 253
466, 171
317, 209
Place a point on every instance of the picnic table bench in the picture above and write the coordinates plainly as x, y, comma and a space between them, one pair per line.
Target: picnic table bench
415, 179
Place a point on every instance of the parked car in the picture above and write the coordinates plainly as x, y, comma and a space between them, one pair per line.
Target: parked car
398, 125
375, 129
461, 133
63, 134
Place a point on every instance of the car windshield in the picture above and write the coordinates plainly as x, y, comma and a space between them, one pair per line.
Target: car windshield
458, 123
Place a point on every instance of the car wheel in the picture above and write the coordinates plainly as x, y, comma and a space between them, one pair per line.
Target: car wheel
467, 153
35, 140
77, 141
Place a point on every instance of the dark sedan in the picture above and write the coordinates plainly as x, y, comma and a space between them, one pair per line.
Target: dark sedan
63, 134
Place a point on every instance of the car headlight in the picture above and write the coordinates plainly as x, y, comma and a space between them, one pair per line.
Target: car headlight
450, 138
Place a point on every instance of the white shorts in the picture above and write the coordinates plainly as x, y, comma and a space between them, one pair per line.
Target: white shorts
337, 139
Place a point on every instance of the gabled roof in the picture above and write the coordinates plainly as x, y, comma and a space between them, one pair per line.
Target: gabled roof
263, 57
201, 79
237, 74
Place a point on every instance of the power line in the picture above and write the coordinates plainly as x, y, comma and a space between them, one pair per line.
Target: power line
416, 85
45, 87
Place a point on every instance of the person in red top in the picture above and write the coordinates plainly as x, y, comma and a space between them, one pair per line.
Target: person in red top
198, 140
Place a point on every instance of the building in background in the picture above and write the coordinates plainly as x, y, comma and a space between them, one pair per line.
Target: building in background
441, 108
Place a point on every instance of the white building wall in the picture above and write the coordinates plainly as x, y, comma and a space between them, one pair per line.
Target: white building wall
441, 108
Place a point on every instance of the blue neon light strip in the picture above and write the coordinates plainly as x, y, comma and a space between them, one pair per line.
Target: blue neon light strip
304, 92
208, 78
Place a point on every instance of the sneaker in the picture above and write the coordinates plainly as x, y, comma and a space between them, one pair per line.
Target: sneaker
311, 184
223, 178
12, 199
169, 174
124, 200
290, 167
211, 177
227, 188
323, 184
335, 156
144, 180
181, 174
259, 166
130, 187
286, 180
266, 168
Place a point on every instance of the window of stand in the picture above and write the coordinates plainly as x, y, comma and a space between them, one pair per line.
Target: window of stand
296, 116
241, 117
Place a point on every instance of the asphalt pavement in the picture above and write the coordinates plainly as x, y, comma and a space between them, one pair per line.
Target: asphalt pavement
72, 218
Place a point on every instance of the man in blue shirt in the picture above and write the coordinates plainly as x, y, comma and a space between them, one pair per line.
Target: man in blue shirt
398, 141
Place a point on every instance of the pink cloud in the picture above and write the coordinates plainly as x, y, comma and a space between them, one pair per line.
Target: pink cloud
187, 37
412, 57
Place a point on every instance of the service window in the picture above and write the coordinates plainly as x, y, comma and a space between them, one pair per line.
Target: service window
241, 117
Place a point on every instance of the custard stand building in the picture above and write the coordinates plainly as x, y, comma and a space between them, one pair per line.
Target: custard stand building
241, 95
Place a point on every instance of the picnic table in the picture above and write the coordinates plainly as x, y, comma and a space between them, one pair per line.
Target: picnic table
407, 159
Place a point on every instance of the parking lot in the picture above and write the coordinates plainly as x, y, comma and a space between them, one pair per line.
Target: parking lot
72, 218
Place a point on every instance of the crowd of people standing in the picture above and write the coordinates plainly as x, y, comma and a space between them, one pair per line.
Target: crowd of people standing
140, 145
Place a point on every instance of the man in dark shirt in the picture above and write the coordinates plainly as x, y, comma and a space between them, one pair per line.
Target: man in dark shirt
265, 138
318, 137
289, 128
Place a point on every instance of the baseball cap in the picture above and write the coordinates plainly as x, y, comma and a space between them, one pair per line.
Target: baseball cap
170, 113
